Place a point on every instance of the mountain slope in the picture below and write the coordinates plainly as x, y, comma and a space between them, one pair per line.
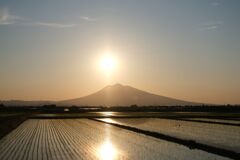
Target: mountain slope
25, 103
119, 95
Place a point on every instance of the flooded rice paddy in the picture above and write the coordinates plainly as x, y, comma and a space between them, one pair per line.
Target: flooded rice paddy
223, 136
54, 139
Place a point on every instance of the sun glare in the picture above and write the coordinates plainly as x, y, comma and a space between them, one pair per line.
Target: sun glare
108, 63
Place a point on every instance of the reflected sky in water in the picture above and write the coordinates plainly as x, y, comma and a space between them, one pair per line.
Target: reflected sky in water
88, 139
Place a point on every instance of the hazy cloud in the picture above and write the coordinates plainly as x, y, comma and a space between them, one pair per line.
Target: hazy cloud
6, 18
216, 3
88, 19
211, 25
53, 25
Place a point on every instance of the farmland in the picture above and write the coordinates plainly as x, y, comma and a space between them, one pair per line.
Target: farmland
223, 136
84, 138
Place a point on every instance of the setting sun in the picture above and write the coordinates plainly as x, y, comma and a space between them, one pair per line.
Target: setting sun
108, 63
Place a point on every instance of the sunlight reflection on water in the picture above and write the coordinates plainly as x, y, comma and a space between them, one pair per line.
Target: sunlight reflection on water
107, 113
110, 120
107, 151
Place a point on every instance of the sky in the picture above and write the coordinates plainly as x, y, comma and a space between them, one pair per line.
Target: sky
188, 49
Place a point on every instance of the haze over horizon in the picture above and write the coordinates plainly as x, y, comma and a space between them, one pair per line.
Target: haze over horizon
56, 50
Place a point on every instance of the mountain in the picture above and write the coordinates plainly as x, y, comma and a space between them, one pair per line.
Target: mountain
120, 95
112, 95
25, 103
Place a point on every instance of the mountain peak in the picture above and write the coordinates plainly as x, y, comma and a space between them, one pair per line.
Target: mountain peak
116, 85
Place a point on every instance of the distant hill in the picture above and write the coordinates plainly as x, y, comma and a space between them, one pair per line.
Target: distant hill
120, 95
25, 103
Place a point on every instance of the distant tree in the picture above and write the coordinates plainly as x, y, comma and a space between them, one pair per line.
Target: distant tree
49, 106
73, 108
134, 106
